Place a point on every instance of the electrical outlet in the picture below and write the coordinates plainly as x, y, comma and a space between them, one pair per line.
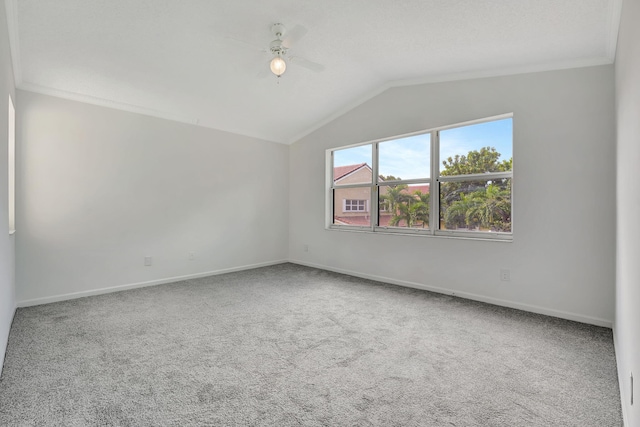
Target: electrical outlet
148, 261
192, 256
505, 275
306, 248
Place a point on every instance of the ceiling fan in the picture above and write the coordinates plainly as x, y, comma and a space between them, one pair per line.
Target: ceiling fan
279, 50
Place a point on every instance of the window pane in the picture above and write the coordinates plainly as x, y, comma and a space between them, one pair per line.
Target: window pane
479, 148
476, 205
352, 206
405, 158
404, 206
352, 165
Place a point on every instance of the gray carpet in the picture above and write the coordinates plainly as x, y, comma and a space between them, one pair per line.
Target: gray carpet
295, 346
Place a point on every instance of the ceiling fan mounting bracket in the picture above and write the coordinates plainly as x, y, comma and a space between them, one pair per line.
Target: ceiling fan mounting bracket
278, 30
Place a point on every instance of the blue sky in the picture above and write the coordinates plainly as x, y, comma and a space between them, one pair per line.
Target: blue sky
408, 157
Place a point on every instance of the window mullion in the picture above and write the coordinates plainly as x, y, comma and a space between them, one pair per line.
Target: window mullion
434, 187
357, 185
477, 177
374, 204
332, 193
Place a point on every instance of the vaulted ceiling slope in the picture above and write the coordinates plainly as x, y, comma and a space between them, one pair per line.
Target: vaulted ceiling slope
205, 61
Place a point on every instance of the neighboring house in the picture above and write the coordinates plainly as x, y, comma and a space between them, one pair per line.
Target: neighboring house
352, 174
352, 206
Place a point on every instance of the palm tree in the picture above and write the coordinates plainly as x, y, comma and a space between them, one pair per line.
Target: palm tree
461, 212
423, 213
489, 208
413, 209
393, 198
492, 208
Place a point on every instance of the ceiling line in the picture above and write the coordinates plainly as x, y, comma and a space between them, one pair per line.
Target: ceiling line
102, 102
11, 8
121, 106
442, 78
615, 14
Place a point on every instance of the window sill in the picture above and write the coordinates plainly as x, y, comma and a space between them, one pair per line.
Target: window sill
487, 237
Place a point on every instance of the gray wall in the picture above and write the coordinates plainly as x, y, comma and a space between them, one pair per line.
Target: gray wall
627, 323
562, 255
100, 189
7, 251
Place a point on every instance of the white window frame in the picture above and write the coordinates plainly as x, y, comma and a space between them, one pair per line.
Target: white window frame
434, 187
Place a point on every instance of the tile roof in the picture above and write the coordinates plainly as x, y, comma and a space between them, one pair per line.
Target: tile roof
363, 220
423, 188
342, 171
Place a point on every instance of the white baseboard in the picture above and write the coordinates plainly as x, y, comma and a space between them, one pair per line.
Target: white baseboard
81, 294
495, 301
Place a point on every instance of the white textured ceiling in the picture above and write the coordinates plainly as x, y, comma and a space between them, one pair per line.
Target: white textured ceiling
186, 60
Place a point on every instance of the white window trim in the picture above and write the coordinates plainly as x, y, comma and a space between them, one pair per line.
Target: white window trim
434, 180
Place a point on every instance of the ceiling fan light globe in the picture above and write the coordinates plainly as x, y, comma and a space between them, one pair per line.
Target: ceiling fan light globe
278, 66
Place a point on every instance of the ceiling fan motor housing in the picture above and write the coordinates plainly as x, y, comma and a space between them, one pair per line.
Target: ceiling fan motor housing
277, 48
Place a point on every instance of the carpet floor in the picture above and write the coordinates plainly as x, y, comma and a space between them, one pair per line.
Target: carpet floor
288, 345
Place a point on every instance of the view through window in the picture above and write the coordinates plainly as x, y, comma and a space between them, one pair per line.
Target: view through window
469, 167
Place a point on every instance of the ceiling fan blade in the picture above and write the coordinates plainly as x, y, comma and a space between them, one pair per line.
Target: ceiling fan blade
310, 65
292, 36
245, 45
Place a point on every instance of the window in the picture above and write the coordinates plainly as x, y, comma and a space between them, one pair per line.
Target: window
404, 182
450, 181
475, 177
11, 167
355, 205
352, 176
